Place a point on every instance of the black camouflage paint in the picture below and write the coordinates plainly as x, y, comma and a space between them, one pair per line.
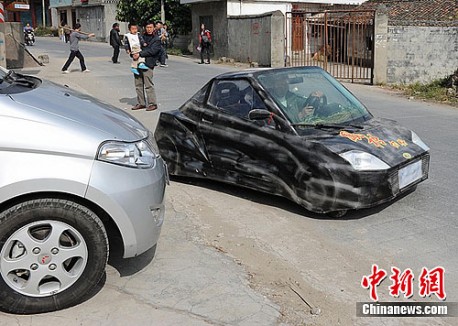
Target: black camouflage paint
301, 164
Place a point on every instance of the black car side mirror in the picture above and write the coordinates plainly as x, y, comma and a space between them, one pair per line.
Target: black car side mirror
262, 114
259, 114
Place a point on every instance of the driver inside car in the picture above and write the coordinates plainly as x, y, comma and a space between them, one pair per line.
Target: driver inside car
296, 107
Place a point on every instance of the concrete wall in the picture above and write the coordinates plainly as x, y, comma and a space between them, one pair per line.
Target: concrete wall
92, 20
13, 45
421, 54
246, 38
182, 42
109, 19
261, 40
218, 12
380, 46
241, 8
410, 54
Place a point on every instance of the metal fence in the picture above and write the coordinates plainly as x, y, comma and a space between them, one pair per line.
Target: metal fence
340, 41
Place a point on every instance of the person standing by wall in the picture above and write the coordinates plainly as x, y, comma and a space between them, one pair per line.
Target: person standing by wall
144, 86
205, 41
164, 34
115, 42
75, 37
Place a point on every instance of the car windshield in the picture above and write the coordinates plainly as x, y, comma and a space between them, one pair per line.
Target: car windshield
311, 97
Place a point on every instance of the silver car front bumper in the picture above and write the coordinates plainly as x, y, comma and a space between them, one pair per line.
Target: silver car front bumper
134, 198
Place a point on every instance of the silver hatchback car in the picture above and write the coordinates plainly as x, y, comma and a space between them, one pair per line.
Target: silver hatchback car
70, 166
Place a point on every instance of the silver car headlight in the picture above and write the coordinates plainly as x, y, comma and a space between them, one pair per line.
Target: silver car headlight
362, 161
417, 141
136, 155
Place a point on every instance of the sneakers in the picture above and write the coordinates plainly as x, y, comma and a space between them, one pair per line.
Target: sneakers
87, 70
65, 71
135, 71
142, 66
164, 65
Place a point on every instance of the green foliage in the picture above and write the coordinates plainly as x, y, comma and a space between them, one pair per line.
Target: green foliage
46, 31
177, 16
436, 90
429, 91
176, 51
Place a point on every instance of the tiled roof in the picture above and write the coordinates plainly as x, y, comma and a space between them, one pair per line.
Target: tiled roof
418, 12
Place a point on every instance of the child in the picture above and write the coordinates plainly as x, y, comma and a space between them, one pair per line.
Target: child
133, 41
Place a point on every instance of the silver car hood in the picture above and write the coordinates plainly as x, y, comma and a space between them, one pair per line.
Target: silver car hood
55, 104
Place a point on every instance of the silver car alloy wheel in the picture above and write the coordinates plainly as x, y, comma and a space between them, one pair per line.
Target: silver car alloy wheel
43, 258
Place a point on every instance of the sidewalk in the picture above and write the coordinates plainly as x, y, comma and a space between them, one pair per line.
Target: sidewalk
189, 281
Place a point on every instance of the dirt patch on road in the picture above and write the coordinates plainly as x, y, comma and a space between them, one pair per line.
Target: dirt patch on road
268, 273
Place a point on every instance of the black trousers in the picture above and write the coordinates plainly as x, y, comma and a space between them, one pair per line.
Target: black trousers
72, 56
163, 55
205, 49
115, 54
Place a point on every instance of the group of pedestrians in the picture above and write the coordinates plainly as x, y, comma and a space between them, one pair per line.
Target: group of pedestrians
146, 50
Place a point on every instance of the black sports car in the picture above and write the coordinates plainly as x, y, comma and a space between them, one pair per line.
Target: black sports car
293, 132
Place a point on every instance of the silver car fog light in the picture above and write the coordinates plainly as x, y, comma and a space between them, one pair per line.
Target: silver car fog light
136, 155
158, 216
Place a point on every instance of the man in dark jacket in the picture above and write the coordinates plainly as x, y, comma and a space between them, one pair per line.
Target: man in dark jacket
144, 86
115, 42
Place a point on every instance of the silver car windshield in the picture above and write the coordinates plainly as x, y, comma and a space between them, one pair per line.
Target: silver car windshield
310, 97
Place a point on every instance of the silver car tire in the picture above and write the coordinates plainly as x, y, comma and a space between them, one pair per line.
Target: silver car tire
53, 253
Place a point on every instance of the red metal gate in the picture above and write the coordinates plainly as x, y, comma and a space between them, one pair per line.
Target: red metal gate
339, 41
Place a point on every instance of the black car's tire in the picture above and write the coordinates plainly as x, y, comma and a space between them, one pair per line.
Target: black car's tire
337, 214
53, 252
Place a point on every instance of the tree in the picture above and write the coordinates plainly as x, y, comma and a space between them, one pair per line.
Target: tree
177, 16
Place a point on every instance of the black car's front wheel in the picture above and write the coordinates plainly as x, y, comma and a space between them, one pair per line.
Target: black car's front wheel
337, 214
52, 254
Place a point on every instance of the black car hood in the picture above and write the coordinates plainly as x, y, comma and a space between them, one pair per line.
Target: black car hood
383, 138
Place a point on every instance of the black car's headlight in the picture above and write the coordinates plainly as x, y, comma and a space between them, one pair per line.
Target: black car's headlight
136, 155
417, 141
362, 161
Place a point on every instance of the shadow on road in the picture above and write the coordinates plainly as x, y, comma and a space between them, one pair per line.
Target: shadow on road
127, 266
280, 202
129, 101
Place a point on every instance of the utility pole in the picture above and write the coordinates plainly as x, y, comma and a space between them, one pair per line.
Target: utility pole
2, 37
44, 13
162, 11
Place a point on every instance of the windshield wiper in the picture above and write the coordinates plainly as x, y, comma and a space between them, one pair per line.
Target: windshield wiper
24, 82
17, 79
325, 125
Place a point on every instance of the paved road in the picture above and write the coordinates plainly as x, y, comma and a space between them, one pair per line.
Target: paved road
229, 255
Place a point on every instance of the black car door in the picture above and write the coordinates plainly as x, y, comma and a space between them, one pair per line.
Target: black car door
243, 151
